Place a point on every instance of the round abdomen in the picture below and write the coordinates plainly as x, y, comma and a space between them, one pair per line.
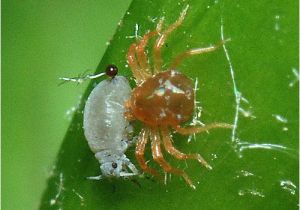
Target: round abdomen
165, 99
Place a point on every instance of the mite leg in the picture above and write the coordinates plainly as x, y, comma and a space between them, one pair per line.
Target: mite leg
158, 157
199, 129
161, 40
179, 155
141, 54
128, 113
179, 58
139, 153
138, 75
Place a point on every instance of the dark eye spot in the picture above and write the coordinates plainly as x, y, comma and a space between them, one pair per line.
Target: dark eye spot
111, 70
114, 165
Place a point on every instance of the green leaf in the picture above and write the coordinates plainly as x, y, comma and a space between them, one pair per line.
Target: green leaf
251, 83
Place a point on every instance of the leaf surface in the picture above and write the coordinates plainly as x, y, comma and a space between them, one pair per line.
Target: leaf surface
251, 83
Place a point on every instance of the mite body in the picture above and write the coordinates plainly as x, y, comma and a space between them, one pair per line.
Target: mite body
173, 96
163, 100
106, 129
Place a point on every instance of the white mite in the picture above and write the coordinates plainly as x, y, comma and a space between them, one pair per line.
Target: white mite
105, 127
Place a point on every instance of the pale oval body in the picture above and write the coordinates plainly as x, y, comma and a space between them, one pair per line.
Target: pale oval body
103, 122
106, 128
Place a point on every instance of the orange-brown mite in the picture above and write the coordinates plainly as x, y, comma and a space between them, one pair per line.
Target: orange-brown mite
163, 100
